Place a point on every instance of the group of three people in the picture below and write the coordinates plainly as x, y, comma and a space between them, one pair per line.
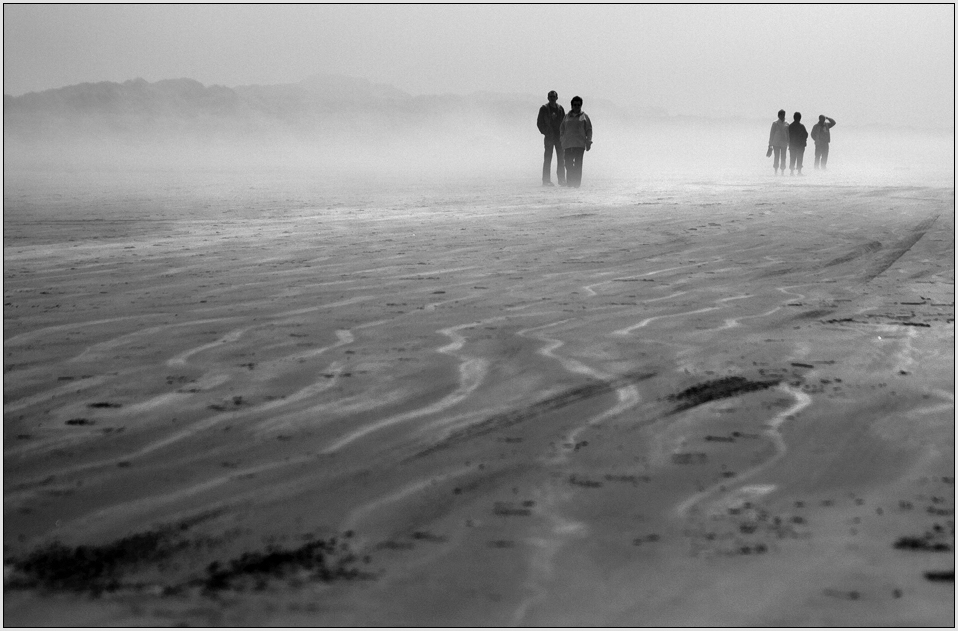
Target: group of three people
794, 137
569, 135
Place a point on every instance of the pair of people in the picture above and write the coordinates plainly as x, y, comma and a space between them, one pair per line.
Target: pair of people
794, 137
570, 135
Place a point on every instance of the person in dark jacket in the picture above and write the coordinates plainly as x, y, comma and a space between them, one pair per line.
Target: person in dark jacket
822, 136
550, 117
576, 135
797, 138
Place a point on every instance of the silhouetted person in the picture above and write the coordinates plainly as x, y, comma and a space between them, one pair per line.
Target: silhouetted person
550, 119
797, 138
576, 137
778, 141
822, 136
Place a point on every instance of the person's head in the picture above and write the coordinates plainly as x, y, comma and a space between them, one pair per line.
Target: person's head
797, 117
553, 96
821, 118
781, 115
576, 102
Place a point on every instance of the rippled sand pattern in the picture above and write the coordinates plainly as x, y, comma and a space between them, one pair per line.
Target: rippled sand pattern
684, 403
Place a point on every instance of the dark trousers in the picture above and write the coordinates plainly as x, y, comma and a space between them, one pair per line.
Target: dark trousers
780, 158
573, 165
821, 154
551, 143
796, 155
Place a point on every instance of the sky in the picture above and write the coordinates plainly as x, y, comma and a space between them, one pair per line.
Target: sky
865, 63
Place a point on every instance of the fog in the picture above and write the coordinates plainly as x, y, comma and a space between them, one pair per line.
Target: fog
433, 144
437, 92
868, 64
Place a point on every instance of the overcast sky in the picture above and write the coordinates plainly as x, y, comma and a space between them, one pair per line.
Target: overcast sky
870, 64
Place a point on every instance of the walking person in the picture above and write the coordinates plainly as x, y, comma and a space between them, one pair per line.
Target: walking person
797, 139
778, 141
575, 133
822, 136
550, 119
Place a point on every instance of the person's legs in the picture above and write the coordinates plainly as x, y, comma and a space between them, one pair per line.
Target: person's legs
779, 158
819, 147
791, 160
560, 163
580, 155
573, 161
824, 154
576, 165
548, 144
800, 159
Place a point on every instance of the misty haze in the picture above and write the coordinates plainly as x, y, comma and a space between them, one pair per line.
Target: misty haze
295, 336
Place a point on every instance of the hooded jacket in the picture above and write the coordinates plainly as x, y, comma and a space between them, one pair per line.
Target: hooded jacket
550, 119
576, 130
778, 136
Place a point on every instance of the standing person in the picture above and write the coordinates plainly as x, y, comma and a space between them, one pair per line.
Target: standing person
575, 133
797, 138
550, 118
778, 141
822, 136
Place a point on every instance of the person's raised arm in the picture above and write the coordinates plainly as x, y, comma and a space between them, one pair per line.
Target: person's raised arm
831, 122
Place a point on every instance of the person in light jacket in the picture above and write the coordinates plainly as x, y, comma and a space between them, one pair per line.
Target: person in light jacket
576, 136
778, 141
550, 118
822, 136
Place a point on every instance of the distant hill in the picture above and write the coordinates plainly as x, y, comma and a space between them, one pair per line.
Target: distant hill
320, 105
332, 123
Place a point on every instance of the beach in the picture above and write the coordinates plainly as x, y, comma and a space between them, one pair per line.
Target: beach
275, 399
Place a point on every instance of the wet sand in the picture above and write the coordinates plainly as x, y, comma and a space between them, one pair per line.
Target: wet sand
671, 403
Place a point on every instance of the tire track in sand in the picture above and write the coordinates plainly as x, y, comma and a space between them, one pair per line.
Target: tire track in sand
898, 250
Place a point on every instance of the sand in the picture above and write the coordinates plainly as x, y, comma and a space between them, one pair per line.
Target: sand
410, 402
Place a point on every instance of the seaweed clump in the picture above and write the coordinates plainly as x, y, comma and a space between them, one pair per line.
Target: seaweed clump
716, 389
90, 568
109, 568
927, 543
946, 576
321, 560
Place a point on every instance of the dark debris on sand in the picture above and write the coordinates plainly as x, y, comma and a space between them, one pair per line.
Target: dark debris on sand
946, 576
112, 567
716, 389
92, 569
320, 560
931, 541
918, 543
